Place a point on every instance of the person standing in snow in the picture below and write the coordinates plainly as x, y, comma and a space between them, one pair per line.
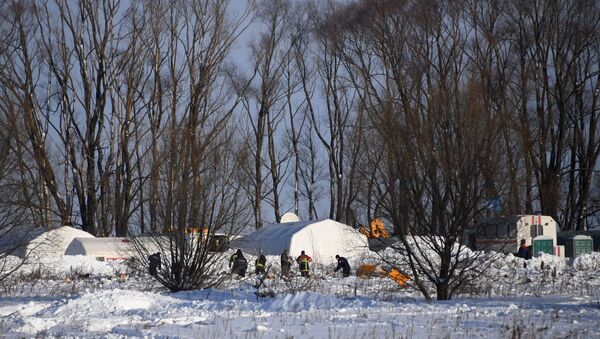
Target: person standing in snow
343, 265
154, 263
286, 264
238, 263
260, 264
523, 250
303, 261
232, 258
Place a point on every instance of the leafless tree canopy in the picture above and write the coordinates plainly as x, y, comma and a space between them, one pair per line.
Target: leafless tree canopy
132, 117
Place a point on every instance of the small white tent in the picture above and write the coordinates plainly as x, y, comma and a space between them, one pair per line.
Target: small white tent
112, 248
102, 248
289, 217
321, 240
38, 242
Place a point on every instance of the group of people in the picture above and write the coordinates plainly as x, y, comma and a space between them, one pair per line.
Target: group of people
239, 264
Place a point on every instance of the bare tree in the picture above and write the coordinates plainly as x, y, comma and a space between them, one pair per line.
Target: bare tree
438, 135
582, 104
555, 90
312, 172
84, 36
295, 128
325, 59
16, 207
192, 258
266, 103
21, 203
129, 105
199, 178
23, 98
157, 38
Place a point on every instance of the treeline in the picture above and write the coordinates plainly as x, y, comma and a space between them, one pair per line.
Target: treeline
152, 115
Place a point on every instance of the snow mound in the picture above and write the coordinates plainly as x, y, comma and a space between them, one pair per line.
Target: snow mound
425, 249
305, 301
587, 262
59, 267
548, 260
111, 302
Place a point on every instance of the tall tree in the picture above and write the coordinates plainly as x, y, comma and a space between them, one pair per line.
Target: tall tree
22, 97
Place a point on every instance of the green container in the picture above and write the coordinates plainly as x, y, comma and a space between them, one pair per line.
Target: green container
543, 243
578, 244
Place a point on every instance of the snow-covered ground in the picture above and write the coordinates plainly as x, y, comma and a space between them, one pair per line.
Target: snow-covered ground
80, 297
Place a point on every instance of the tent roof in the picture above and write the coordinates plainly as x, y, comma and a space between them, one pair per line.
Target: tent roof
68, 232
289, 217
280, 231
55, 241
108, 248
38, 241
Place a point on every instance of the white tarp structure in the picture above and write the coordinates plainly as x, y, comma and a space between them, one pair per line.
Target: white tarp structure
113, 248
102, 248
40, 242
321, 240
289, 217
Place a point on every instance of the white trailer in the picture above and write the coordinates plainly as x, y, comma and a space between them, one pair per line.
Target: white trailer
504, 234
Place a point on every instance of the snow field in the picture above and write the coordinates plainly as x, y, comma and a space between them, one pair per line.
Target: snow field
82, 297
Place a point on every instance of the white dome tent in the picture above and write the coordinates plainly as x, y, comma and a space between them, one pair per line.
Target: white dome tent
321, 240
289, 217
102, 248
117, 248
39, 242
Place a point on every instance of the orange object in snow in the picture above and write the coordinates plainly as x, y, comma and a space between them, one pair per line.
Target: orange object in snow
398, 277
366, 271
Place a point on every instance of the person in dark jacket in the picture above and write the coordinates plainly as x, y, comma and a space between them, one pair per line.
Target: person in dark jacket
303, 261
260, 264
343, 265
154, 263
286, 264
523, 250
238, 263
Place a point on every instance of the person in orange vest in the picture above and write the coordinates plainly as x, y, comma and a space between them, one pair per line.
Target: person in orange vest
303, 261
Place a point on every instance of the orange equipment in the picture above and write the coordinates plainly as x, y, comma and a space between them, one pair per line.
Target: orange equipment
377, 229
398, 277
368, 270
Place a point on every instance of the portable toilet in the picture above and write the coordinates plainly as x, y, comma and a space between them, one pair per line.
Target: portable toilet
543, 243
579, 244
